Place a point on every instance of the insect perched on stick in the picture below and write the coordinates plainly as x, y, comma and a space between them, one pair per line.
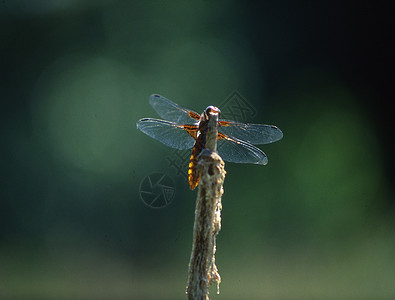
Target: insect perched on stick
185, 129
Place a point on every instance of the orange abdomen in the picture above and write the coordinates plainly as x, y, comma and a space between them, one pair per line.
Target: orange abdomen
193, 176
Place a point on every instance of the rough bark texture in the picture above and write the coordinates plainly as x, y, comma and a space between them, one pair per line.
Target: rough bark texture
202, 268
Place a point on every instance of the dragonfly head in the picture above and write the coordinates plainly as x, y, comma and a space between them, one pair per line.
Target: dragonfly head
210, 111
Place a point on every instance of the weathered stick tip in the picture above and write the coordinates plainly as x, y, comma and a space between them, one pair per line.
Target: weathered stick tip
202, 268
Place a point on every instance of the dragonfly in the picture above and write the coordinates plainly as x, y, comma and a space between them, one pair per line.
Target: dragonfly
183, 128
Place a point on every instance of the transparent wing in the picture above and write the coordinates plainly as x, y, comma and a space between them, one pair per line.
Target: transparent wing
237, 151
171, 111
172, 135
256, 134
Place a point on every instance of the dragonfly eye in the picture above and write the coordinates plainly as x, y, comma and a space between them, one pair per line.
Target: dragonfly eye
210, 110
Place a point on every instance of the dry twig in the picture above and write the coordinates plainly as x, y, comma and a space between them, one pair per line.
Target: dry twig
202, 268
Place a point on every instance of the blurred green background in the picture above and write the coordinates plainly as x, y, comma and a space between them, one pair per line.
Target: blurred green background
316, 223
